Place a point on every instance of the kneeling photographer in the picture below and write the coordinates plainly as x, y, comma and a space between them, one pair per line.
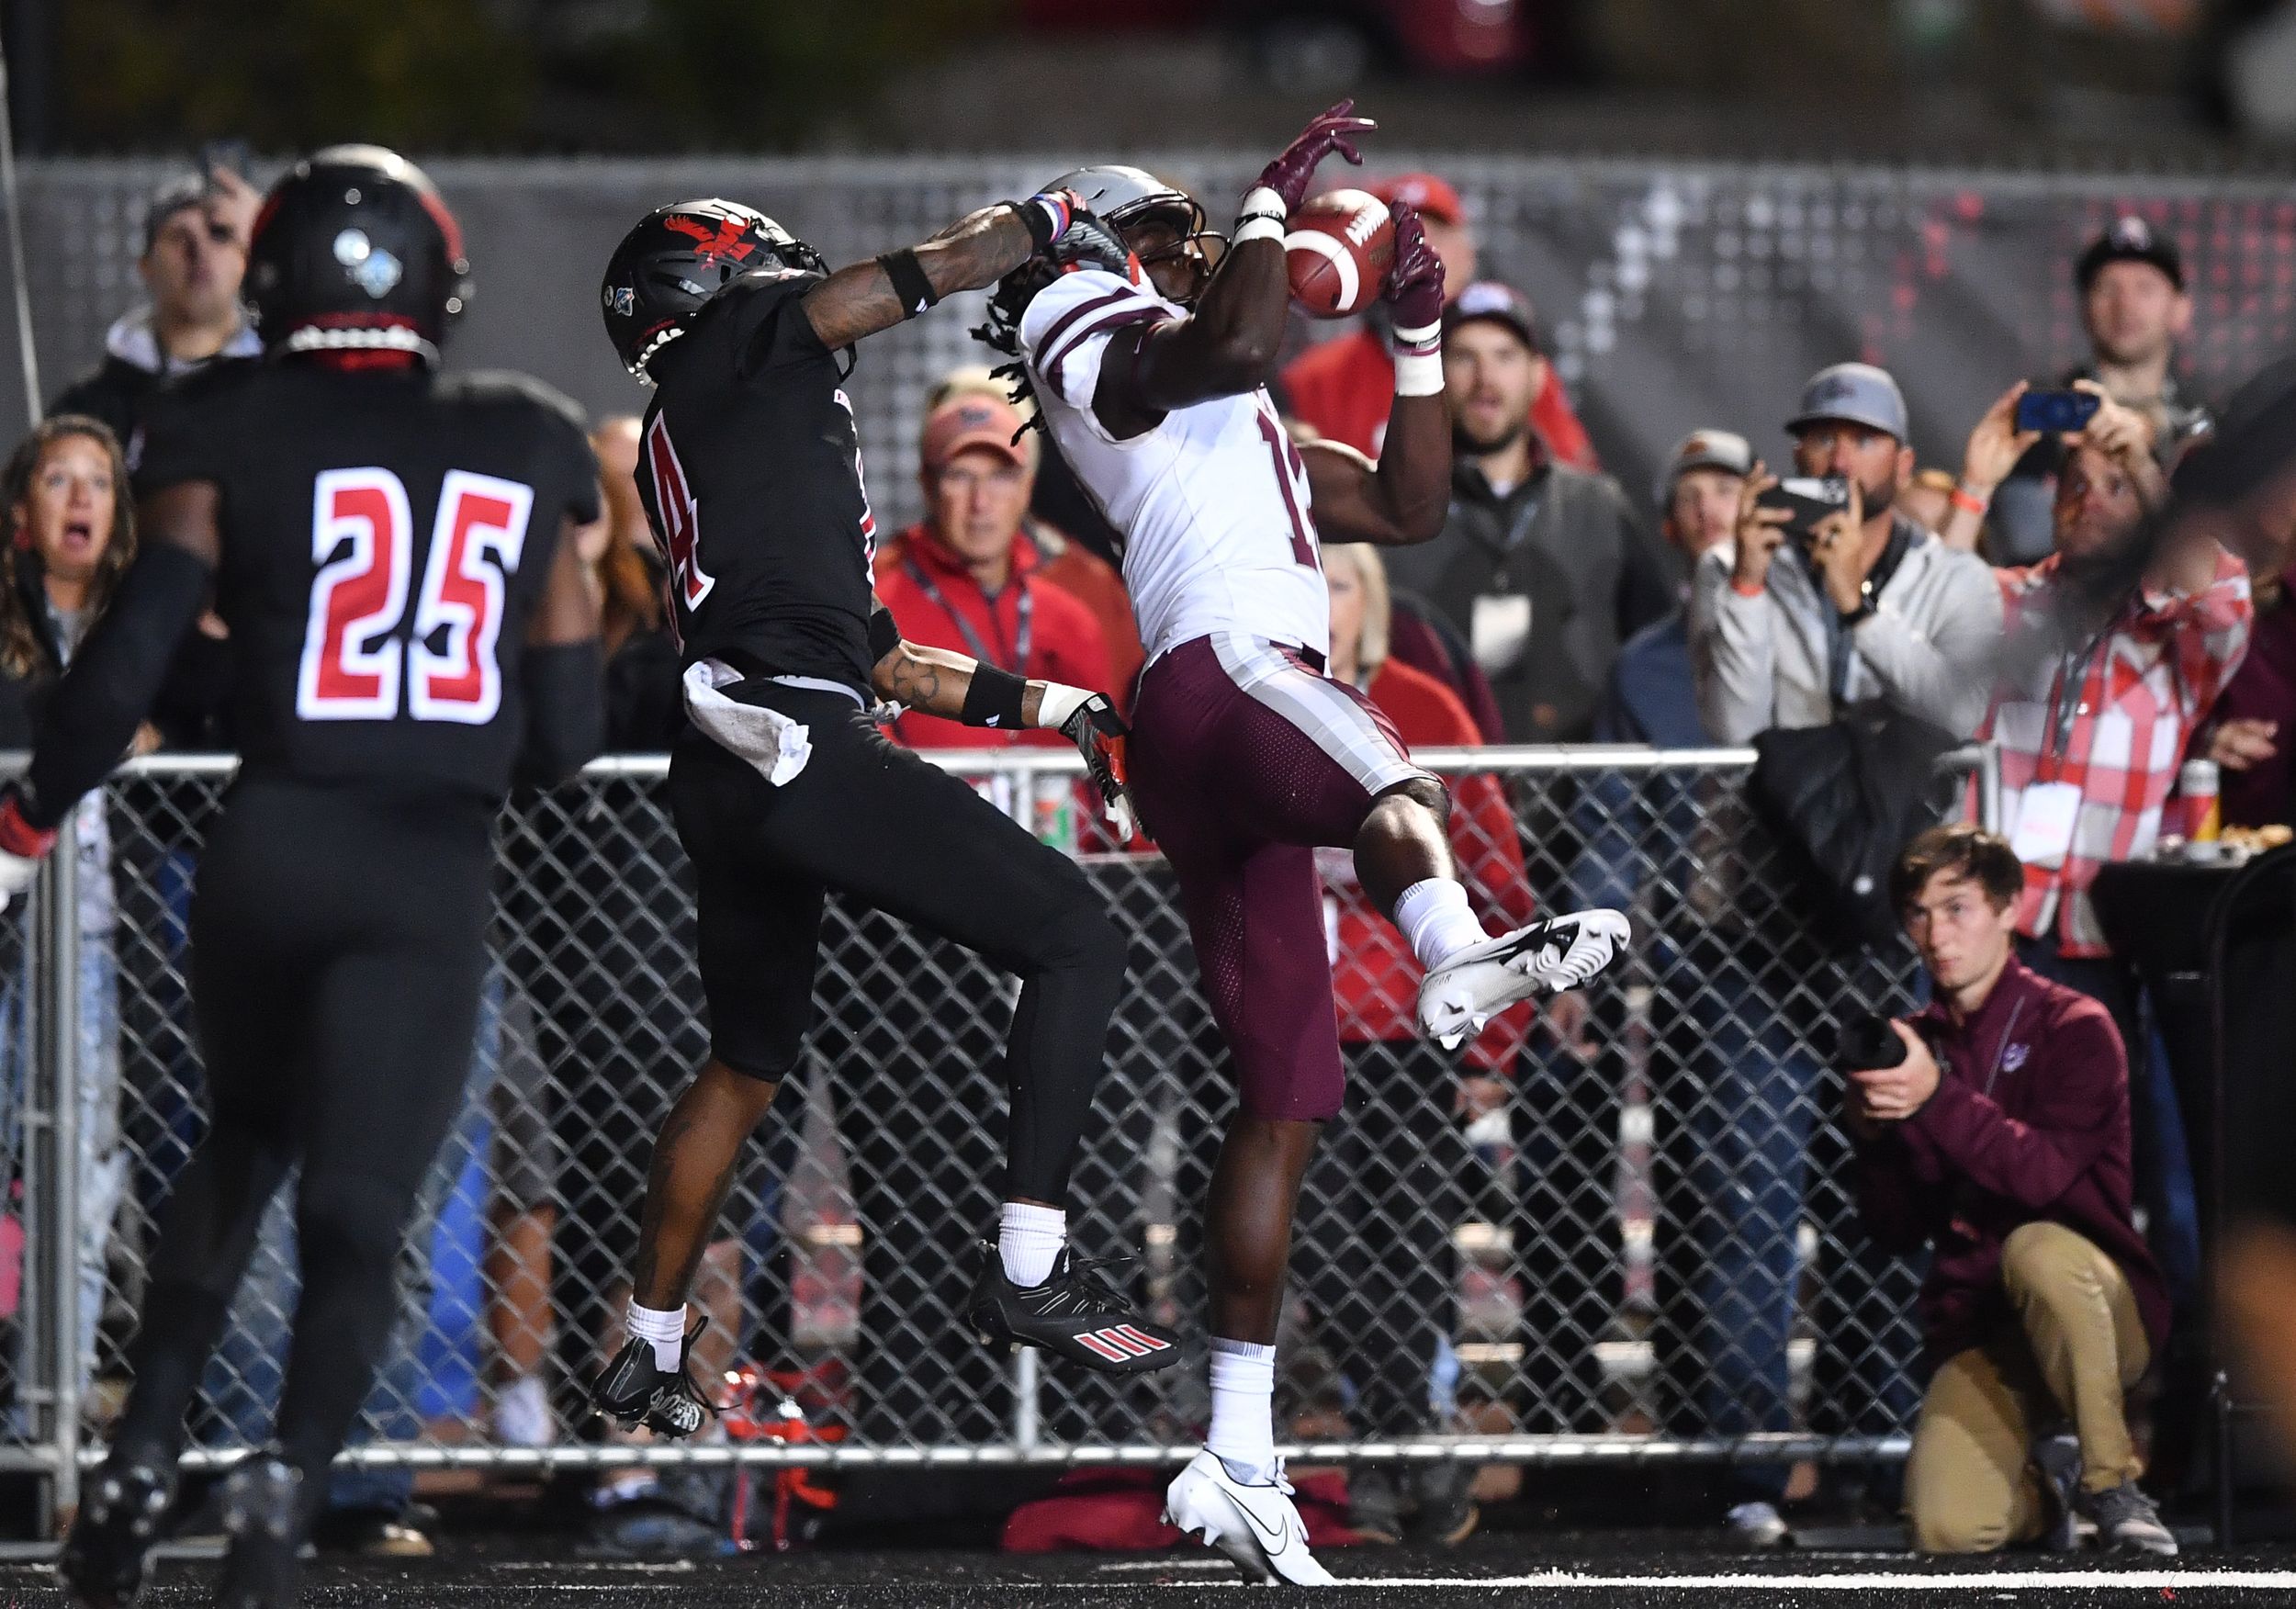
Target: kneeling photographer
1993, 1127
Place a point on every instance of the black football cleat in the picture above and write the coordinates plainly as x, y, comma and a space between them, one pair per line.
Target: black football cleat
635, 1390
1075, 1314
108, 1551
262, 1515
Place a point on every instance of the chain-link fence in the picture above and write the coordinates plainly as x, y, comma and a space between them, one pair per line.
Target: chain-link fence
1620, 1231
1675, 296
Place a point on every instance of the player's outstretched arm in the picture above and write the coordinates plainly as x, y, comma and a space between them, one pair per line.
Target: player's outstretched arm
972, 254
564, 667
1406, 498
1228, 342
92, 715
935, 681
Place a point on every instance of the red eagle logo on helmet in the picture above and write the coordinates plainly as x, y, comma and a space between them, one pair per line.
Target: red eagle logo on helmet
722, 239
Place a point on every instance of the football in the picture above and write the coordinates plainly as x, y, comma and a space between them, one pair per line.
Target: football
1337, 252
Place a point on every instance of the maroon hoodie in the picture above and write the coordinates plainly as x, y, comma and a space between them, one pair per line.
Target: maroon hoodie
2030, 1122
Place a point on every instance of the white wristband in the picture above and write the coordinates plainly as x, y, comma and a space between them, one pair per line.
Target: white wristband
1057, 703
1418, 374
1261, 218
1259, 201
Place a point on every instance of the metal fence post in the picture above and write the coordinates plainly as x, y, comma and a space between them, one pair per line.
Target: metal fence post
61, 956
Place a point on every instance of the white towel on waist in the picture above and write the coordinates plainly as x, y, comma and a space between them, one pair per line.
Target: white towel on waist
777, 746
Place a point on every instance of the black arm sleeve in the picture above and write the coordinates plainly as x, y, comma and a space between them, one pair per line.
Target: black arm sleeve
566, 710
91, 718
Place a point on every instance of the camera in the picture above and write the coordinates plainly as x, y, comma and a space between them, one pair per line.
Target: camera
1808, 500
1865, 1041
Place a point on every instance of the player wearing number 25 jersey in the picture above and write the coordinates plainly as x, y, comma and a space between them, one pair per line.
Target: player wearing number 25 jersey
782, 789
411, 628
1150, 366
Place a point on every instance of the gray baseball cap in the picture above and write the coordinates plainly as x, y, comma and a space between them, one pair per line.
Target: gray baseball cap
1857, 393
1705, 449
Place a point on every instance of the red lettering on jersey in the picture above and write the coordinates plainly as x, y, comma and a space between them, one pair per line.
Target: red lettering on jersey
475, 549
350, 666
362, 538
676, 523
1291, 479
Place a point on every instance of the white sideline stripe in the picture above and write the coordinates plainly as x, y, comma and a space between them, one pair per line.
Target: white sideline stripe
1960, 1581
1156, 1564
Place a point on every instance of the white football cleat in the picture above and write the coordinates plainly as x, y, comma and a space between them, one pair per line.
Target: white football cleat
1255, 1525
1560, 953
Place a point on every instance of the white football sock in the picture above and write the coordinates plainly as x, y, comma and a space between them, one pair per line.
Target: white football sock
1029, 1240
1243, 1409
1435, 920
666, 1331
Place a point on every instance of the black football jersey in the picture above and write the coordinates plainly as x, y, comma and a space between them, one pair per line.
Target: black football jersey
386, 536
751, 472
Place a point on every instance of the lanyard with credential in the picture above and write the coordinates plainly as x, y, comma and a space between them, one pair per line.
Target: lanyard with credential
2072, 681
1023, 628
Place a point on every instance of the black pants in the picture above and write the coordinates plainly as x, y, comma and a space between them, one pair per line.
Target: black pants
337, 947
1387, 1186
875, 822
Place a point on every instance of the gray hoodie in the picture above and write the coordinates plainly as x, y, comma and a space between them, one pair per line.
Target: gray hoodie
1928, 650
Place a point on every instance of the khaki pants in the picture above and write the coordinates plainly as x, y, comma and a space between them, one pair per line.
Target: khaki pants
2077, 1348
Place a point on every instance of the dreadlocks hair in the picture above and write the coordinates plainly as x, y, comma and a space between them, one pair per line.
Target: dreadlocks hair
1007, 303
22, 653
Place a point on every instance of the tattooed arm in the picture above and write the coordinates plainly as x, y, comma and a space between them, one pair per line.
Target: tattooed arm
972, 254
934, 681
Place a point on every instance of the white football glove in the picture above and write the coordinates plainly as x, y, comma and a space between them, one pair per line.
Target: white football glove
1090, 722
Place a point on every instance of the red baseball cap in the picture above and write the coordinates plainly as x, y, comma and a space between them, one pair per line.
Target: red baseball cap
1429, 196
971, 420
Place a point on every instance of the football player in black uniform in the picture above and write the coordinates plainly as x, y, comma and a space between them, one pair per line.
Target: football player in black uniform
410, 628
749, 469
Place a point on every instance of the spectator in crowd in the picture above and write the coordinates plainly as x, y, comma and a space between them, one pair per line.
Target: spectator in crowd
2001, 1142
194, 252
1396, 1162
645, 704
1868, 612
1543, 568
1928, 499
2135, 310
1872, 607
1652, 696
1069, 565
2251, 734
2115, 657
71, 536
1342, 387
966, 578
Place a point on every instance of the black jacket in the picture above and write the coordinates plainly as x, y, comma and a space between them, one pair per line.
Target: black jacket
1567, 542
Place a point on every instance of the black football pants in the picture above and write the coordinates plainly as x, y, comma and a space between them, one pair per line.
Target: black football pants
875, 822
337, 945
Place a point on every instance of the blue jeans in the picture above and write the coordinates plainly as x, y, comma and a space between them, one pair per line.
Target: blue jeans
1748, 1126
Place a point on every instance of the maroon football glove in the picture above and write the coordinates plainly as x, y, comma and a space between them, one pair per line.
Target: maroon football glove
1289, 174
1414, 287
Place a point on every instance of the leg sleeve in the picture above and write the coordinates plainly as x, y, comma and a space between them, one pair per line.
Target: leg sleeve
392, 1035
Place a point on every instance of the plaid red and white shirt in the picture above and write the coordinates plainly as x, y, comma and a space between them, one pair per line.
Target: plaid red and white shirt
2150, 682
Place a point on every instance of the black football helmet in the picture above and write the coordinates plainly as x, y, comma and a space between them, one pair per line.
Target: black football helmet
677, 257
354, 251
